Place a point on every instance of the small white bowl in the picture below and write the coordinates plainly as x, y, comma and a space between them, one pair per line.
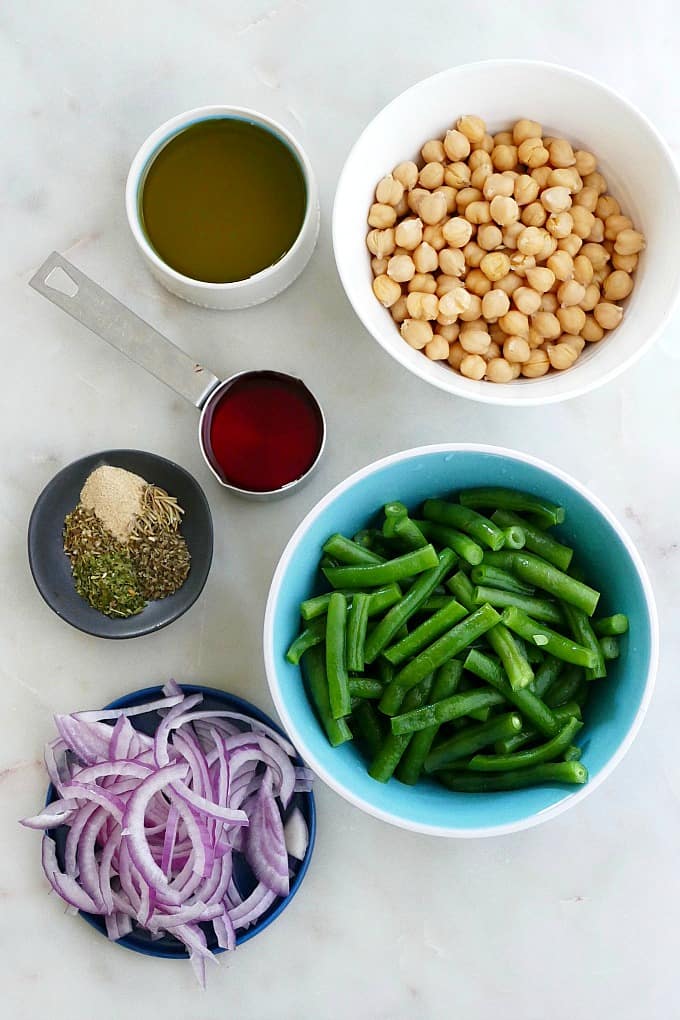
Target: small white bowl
634, 159
241, 293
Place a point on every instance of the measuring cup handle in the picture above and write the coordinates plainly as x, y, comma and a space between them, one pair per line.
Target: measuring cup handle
90, 304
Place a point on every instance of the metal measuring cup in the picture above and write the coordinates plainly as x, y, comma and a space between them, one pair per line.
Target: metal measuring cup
59, 281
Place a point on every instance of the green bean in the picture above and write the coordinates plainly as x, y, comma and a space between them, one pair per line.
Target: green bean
395, 510
459, 542
518, 670
552, 749
336, 670
446, 681
426, 633
572, 753
478, 714
534, 570
503, 560
609, 646
389, 753
368, 728
364, 687
386, 672
536, 541
347, 551
531, 706
564, 689
365, 537
337, 730
531, 653
514, 537
546, 675
611, 626
444, 711
376, 574
357, 622
435, 603
540, 609
552, 642
555, 772
511, 499
385, 630
445, 647
582, 631
497, 578
310, 636
472, 739
463, 590
529, 733
408, 532
461, 517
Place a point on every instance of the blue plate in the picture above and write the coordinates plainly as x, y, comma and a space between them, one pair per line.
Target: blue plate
168, 947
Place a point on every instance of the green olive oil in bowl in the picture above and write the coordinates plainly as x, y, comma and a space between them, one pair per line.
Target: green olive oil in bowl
223, 200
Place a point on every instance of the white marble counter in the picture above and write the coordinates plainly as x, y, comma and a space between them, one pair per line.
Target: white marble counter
577, 917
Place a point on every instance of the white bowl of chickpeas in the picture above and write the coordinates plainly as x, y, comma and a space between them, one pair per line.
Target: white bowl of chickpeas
506, 231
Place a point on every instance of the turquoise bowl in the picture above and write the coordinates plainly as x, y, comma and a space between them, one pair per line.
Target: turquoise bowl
617, 706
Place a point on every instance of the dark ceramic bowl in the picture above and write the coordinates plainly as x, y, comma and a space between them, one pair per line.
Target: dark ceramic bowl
50, 565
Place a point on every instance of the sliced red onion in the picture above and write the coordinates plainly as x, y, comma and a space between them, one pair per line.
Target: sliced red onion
296, 834
115, 713
265, 847
59, 812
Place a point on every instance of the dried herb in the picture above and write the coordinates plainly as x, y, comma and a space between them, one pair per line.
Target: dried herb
162, 562
84, 534
159, 512
109, 582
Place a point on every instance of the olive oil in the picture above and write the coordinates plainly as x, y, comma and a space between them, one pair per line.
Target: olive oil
223, 200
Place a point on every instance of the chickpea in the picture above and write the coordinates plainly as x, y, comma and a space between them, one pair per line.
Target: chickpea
495, 303
546, 325
452, 261
549, 303
516, 349
559, 225
425, 258
467, 195
530, 240
556, 200
590, 298
537, 365
399, 311
477, 283
478, 159
523, 129
534, 338
389, 191
401, 268
540, 279
583, 221
498, 184
486, 144
561, 153
498, 370
473, 254
456, 355
572, 320
474, 341
473, 366
456, 145
504, 210
386, 290
541, 175
431, 176
449, 194
534, 215
450, 333
607, 206
576, 343
380, 242
617, 286
514, 323
433, 151
422, 305
415, 197
562, 265
402, 206
597, 231
437, 349
493, 351
472, 127
597, 181
479, 176
585, 162
432, 208
409, 233
583, 270
561, 356
614, 224
474, 309
504, 156
381, 215
587, 199
406, 173
533, 153
378, 266
509, 283
566, 178
608, 315
626, 262
598, 255
457, 175
445, 283
424, 282
478, 212
569, 293
502, 138
495, 265
592, 331
432, 233
416, 332
454, 302
489, 237
629, 242
525, 189
457, 231
526, 300
571, 244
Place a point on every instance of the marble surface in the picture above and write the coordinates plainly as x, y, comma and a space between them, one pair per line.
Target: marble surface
576, 917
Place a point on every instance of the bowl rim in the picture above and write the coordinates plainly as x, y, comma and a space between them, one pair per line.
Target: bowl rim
45, 593
450, 383
569, 800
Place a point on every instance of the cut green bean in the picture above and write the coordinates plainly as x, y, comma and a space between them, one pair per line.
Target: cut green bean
572, 753
472, 739
426, 633
312, 635
611, 626
450, 644
503, 560
394, 745
515, 537
531, 706
517, 668
552, 749
564, 689
549, 640
346, 551
572, 772
530, 733
444, 711
408, 532
314, 663
385, 630
446, 681
494, 577
511, 499
609, 646
435, 603
536, 540
463, 589
336, 670
534, 570
582, 631
540, 609
376, 574
458, 541
357, 622
453, 515
546, 675
368, 727
365, 688
531, 653
478, 714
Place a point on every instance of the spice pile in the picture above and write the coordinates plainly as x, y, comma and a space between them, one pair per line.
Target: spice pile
124, 542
